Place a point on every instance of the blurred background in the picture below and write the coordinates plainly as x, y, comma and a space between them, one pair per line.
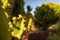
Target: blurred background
18, 17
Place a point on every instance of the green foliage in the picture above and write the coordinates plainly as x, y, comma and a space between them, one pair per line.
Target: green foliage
46, 14
18, 7
28, 16
55, 36
4, 33
52, 37
0, 4
58, 28
15, 7
55, 7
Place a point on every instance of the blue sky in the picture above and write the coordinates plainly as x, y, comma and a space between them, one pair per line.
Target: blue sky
35, 3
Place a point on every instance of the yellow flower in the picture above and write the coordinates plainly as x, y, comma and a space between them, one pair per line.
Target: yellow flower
20, 16
4, 3
6, 14
14, 18
11, 26
9, 23
9, 4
